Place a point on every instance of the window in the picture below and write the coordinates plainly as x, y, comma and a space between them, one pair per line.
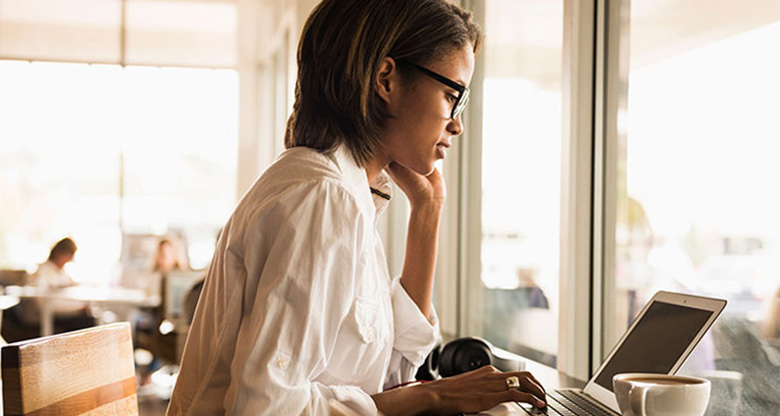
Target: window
189, 33
696, 205
95, 151
521, 168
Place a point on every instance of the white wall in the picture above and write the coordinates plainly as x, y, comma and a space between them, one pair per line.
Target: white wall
268, 32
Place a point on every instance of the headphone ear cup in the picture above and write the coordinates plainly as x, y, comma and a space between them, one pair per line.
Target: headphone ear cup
463, 355
429, 368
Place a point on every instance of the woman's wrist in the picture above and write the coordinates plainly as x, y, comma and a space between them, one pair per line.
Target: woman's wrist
426, 398
429, 392
411, 400
427, 207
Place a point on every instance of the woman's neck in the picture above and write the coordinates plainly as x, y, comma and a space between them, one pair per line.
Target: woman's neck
374, 166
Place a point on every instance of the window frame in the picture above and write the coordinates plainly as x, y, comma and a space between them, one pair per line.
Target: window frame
612, 100
583, 192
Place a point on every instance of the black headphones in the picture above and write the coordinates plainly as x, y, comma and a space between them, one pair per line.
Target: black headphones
463, 355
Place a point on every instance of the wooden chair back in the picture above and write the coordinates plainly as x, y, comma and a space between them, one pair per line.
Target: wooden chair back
87, 372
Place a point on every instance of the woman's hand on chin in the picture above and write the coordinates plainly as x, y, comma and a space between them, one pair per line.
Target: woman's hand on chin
419, 189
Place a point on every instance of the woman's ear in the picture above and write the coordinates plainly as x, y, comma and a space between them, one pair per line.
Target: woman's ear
386, 79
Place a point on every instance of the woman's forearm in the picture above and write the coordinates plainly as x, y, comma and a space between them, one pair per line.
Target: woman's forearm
421, 248
405, 401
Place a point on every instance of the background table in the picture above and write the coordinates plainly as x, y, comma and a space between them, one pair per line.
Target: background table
89, 294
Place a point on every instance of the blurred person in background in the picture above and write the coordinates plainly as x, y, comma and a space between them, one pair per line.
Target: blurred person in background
68, 315
51, 273
148, 335
166, 258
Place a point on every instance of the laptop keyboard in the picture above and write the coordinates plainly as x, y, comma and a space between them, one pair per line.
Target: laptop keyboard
569, 403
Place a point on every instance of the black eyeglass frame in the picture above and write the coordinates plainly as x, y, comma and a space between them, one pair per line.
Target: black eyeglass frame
463, 91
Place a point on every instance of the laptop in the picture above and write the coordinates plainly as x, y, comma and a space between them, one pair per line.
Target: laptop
659, 340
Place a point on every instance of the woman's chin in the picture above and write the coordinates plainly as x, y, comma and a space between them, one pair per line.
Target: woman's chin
424, 168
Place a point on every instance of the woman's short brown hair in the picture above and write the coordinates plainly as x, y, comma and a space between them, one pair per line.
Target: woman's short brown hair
65, 246
342, 46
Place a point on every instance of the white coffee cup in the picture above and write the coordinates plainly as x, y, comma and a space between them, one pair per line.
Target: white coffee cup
647, 394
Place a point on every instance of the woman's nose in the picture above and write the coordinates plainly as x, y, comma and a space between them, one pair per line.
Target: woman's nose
455, 126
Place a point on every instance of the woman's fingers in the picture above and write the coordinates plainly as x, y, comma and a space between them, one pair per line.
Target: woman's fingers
514, 396
528, 384
409, 181
486, 387
398, 171
531, 376
521, 396
418, 188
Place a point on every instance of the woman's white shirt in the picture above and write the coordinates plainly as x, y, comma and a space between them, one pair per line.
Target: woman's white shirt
50, 277
298, 307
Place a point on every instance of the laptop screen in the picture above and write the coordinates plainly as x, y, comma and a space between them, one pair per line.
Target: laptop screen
657, 341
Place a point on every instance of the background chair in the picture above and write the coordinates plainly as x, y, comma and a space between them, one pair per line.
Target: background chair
12, 277
83, 372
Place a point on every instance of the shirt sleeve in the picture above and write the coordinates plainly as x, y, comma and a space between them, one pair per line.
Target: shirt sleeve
298, 297
415, 336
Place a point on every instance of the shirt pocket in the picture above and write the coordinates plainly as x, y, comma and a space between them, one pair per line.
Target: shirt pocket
367, 317
363, 345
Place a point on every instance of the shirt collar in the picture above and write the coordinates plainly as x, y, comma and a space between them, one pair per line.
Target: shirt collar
356, 178
382, 192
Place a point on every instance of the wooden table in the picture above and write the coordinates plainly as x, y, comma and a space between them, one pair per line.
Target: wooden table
88, 294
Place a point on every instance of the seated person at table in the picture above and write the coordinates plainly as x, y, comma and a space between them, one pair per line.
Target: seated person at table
149, 276
68, 315
51, 273
148, 320
166, 259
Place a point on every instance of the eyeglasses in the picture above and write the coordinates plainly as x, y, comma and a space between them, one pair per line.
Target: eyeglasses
463, 92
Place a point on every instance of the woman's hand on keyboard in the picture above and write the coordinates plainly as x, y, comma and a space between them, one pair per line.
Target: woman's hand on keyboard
482, 389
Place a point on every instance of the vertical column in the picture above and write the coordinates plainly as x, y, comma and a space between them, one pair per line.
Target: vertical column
576, 189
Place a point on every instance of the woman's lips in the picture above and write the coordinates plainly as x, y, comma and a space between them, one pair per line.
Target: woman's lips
441, 150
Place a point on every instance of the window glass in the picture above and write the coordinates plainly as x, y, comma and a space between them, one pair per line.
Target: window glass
697, 209
95, 151
521, 163
179, 154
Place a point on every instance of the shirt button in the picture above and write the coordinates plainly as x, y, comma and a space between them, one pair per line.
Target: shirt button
282, 363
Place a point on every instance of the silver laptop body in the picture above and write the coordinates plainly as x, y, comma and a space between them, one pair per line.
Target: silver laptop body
659, 340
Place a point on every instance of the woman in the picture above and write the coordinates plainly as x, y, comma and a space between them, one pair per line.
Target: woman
298, 307
69, 315
51, 273
166, 258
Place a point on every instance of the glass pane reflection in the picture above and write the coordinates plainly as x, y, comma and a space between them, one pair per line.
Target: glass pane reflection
521, 176
697, 210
